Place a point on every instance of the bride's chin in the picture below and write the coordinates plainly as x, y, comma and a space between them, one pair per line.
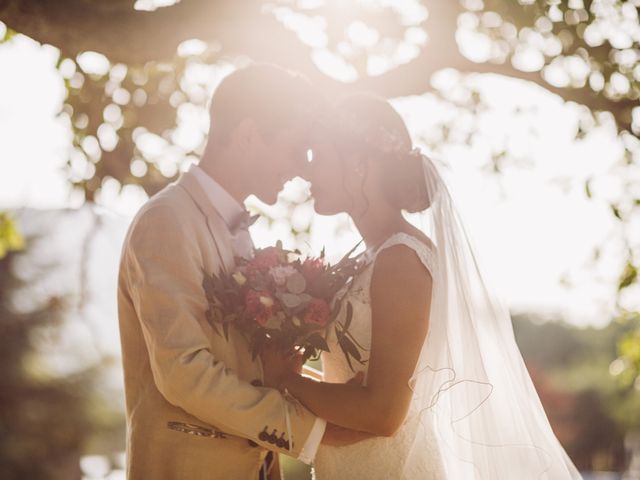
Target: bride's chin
327, 212
317, 207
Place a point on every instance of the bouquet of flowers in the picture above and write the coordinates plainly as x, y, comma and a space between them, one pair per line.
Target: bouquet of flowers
278, 298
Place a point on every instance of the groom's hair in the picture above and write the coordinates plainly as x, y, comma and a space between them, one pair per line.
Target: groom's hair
272, 96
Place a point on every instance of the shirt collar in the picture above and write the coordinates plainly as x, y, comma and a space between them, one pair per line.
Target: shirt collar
227, 206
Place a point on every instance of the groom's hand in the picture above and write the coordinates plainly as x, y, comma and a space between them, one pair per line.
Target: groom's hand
276, 365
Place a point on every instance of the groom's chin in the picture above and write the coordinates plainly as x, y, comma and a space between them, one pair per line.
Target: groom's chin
268, 198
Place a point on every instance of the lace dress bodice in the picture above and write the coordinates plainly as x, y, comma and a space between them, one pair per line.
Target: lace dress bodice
379, 457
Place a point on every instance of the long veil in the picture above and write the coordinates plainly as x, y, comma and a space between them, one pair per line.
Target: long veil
471, 386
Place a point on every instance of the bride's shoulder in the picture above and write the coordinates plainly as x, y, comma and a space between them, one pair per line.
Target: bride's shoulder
399, 271
406, 252
412, 238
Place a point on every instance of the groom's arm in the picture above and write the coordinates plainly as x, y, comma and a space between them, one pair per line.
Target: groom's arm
164, 275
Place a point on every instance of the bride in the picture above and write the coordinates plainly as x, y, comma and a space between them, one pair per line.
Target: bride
442, 390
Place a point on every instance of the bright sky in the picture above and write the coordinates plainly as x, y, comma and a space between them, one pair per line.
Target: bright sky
532, 224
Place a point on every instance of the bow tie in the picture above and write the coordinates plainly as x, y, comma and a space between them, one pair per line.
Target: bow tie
242, 221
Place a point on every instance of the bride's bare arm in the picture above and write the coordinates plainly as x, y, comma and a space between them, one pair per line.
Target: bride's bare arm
310, 372
401, 300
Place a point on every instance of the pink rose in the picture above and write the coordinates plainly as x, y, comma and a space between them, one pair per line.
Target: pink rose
317, 312
264, 260
312, 268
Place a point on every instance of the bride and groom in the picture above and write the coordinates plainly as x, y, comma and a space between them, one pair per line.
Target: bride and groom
442, 392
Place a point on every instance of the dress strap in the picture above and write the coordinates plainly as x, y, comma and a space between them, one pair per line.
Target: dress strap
426, 253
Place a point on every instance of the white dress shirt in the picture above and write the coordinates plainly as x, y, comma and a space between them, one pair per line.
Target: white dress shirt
230, 209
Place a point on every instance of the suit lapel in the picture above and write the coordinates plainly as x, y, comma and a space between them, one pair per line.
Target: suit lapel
192, 187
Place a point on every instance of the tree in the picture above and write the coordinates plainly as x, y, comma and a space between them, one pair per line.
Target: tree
589, 410
55, 409
588, 44
132, 73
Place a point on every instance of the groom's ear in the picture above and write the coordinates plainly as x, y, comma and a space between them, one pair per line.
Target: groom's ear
244, 135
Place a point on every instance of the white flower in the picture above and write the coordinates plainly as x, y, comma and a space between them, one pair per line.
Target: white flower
280, 273
266, 301
239, 278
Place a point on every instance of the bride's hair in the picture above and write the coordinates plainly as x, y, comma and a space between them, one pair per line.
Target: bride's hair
370, 126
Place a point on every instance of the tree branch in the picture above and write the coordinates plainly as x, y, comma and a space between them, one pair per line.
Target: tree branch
243, 28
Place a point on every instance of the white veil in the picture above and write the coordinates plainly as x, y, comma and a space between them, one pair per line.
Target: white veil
471, 386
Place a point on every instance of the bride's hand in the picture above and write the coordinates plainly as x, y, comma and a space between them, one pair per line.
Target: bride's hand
276, 365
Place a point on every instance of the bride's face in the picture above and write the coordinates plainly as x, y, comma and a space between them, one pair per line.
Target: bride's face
339, 182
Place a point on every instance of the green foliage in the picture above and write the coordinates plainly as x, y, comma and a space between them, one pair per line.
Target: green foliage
10, 237
627, 366
118, 113
589, 408
49, 418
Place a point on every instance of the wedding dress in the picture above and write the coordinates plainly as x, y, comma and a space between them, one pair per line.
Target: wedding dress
474, 413
379, 457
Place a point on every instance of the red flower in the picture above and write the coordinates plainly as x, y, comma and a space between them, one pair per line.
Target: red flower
264, 259
312, 268
263, 318
317, 312
261, 263
260, 305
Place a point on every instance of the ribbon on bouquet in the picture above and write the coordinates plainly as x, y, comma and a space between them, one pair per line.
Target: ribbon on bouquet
287, 418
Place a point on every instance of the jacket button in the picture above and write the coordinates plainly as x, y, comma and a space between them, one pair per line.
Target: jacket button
263, 436
281, 442
252, 443
273, 438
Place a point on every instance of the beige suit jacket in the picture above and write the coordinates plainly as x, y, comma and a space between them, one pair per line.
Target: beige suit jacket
178, 372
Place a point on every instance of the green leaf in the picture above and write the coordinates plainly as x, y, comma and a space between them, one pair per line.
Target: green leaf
336, 309
318, 342
629, 275
349, 350
349, 316
296, 283
353, 339
348, 254
290, 300
10, 238
616, 211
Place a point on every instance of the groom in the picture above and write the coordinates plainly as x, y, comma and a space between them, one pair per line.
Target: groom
195, 405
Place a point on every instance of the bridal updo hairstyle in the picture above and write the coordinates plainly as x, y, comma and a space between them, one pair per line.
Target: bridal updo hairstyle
369, 126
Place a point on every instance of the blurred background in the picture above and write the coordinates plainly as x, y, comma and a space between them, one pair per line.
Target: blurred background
530, 108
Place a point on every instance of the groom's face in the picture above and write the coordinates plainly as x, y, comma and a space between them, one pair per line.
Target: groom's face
278, 158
